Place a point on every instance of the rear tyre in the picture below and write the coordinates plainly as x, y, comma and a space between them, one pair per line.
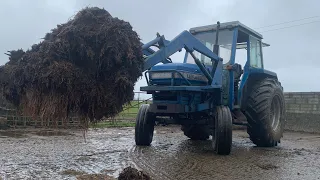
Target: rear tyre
144, 126
265, 113
196, 132
222, 134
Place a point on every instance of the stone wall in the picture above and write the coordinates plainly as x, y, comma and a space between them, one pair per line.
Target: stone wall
303, 111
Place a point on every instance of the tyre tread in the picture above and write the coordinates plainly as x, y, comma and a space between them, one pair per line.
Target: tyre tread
257, 112
223, 143
141, 128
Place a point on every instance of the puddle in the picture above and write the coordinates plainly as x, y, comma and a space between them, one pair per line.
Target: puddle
51, 133
12, 134
23, 134
267, 166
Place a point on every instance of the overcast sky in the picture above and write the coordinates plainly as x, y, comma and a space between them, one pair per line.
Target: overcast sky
293, 54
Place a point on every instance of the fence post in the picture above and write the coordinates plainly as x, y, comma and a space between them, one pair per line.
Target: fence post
138, 100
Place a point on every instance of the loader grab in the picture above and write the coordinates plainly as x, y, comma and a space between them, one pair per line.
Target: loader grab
209, 91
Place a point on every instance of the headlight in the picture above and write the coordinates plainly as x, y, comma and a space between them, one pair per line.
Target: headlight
160, 75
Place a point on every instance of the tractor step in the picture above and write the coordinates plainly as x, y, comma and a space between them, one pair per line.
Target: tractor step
240, 123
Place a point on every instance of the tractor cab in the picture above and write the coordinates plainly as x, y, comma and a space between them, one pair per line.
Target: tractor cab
231, 36
234, 40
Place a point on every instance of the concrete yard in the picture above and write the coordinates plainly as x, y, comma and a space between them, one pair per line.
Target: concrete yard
35, 154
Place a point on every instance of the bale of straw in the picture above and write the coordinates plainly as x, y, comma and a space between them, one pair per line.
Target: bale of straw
86, 67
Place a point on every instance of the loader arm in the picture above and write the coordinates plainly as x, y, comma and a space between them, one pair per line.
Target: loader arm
184, 40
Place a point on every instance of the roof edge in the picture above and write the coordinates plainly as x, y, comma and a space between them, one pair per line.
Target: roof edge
226, 25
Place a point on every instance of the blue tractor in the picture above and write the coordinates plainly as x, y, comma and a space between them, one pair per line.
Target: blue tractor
209, 91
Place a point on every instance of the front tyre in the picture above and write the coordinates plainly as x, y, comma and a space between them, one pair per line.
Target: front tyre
144, 126
265, 113
222, 134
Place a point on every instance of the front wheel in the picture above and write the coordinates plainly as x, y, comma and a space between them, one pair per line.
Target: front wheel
144, 126
222, 134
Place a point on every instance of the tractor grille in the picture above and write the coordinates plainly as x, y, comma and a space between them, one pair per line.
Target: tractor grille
177, 79
165, 96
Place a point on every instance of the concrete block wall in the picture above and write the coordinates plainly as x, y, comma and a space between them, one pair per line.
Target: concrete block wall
303, 111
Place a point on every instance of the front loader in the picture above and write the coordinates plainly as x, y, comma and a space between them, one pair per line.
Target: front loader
209, 91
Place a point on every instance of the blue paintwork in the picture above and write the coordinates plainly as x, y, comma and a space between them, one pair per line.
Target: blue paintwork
148, 51
190, 95
151, 43
203, 106
179, 88
246, 72
183, 40
178, 66
185, 57
251, 71
217, 80
177, 82
245, 75
262, 71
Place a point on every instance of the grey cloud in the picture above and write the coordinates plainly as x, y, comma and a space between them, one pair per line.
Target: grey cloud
24, 23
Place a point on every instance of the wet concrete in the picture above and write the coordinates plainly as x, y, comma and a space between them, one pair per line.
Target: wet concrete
65, 154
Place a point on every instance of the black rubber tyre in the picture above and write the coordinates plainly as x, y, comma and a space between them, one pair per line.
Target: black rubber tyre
265, 112
196, 132
144, 126
222, 134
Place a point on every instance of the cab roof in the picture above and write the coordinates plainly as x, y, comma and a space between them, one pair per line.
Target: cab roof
226, 25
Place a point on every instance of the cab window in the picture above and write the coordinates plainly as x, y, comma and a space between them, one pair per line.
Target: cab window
255, 53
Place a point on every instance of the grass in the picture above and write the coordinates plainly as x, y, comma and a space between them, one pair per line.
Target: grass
125, 119
131, 110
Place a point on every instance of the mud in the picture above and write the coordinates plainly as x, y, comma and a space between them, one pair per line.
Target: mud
130, 173
106, 152
95, 177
